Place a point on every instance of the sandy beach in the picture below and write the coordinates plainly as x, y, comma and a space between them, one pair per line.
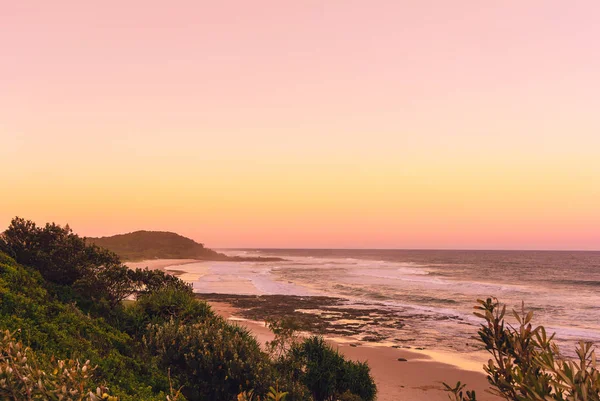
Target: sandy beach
419, 378
400, 374
160, 264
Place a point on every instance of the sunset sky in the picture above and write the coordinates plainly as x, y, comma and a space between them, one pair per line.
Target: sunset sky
346, 124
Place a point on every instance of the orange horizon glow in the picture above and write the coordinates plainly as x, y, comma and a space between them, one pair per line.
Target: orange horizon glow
385, 124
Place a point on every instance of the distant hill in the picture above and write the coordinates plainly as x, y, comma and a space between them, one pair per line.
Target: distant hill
141, 245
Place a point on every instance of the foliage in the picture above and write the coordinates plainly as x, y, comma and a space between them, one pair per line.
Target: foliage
328, 376
458, 392
248, 395
78, 271
161, 306
63, 298
285, 336
146, 281
273, 395
527, 365
212, 360
323, 372
22, 377
310, 369
348, 396
287, 361
61, 256
61, 329
276, 395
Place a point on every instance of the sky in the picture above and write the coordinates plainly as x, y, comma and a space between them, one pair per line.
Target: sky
326, 124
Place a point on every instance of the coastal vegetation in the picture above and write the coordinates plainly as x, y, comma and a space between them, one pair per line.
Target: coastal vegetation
77, 324
526, 364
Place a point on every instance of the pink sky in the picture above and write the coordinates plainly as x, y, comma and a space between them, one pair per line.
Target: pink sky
392, 124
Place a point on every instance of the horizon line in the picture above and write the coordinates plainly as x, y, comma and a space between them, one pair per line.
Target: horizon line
409, 249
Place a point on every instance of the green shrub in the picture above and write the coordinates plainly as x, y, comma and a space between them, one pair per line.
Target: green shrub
527, 365
212, 360
47, 325
349, 396
273, 395
61, 256
66, 305
328, 375
162, 306
76, 271
356, 379
24, 376
285, 332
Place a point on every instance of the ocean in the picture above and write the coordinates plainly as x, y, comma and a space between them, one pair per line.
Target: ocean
432, 292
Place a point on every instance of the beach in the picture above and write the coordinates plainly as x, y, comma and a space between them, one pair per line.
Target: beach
400, 375
401, 371
412, 298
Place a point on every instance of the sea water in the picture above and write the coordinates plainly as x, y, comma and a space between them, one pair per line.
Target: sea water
432, 292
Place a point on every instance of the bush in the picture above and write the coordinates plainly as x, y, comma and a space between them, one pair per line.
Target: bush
310, 369
59, 255
527, 365
76, 271
22, 376
328, 376
51, 327
162, 306
213, 360
67, 303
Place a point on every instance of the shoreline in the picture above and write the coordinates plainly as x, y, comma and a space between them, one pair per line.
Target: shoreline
161, 264
401, 371
353, 324
400, 374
